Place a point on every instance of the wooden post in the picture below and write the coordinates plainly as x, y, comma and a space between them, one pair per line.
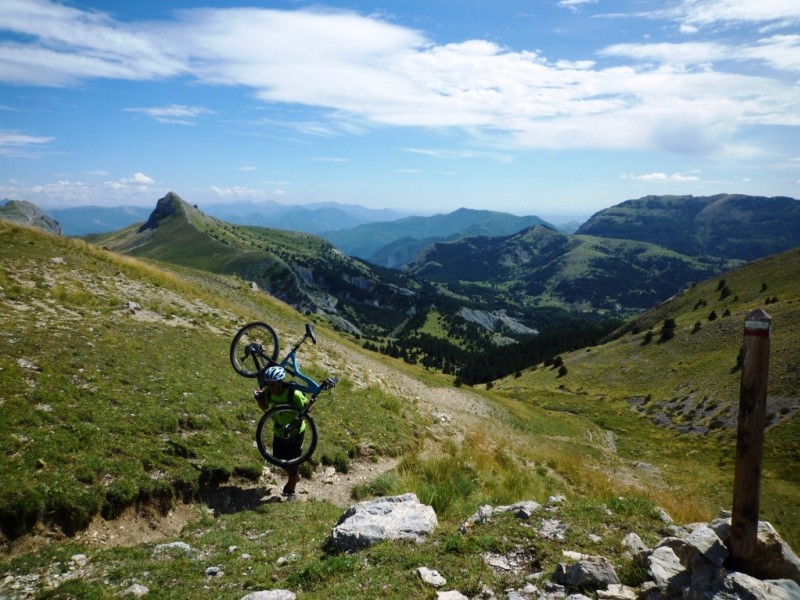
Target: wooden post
750, 440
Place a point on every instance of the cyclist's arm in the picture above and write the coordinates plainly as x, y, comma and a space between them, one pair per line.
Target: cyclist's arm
298, 399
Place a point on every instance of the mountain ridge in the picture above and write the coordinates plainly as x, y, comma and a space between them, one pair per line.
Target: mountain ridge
299, 268
734, 226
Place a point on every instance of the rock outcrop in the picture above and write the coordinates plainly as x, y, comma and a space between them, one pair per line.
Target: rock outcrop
27, 213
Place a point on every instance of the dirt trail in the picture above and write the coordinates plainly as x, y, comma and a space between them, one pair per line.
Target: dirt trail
452, 410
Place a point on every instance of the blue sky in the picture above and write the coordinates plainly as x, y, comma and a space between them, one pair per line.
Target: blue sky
545, 107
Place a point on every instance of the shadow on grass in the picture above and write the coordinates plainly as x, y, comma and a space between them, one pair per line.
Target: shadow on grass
231, 499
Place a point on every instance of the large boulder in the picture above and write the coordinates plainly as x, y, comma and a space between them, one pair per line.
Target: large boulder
390, 518
692, 565
773, 558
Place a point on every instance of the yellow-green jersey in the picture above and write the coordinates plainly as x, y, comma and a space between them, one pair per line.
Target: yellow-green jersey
289, 396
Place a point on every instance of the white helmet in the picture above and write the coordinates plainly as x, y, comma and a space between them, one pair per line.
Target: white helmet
274, 374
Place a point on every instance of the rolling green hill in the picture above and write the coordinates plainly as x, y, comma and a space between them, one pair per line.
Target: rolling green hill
730, 226
118, 400
580, 272
117, 390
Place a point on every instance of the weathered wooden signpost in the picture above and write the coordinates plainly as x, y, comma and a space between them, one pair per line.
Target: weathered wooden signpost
750, 439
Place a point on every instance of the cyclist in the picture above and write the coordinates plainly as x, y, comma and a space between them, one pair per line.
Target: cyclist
274, 391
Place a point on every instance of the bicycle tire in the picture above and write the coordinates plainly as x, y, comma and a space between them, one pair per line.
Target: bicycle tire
284, 414
264, 337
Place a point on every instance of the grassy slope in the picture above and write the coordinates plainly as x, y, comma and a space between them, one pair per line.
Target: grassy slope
101, 409
691, 379
111, 409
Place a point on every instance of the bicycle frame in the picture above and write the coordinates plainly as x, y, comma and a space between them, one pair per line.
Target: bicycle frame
289, 363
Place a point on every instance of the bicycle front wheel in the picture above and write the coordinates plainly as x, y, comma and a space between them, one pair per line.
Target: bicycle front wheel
253, 347
286, 436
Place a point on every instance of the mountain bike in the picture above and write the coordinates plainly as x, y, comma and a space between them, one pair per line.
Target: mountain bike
254, 349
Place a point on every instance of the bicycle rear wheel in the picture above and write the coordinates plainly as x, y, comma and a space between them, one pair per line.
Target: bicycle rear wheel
285, 436
253, 347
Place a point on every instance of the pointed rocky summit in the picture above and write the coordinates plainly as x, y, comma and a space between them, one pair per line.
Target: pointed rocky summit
169, 205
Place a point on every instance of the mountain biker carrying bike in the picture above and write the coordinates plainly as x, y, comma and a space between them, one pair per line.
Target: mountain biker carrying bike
278, 392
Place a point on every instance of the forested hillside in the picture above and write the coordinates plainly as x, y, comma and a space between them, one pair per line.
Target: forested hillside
730, 226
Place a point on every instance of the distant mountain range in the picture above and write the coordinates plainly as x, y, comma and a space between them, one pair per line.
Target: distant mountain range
396, 243
309, 218
478, 292
83, 220
385, 237
624, 260
578, 272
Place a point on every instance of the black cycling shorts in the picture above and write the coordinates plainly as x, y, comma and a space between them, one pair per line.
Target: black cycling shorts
287, 449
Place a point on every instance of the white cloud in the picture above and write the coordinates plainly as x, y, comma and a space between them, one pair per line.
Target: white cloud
140, 179
13, 143
238, 192
458, 154
73, 44
174, 113
574, 5
364, 73
137, 190
661, 177
690, 53
781, 52
697, 13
